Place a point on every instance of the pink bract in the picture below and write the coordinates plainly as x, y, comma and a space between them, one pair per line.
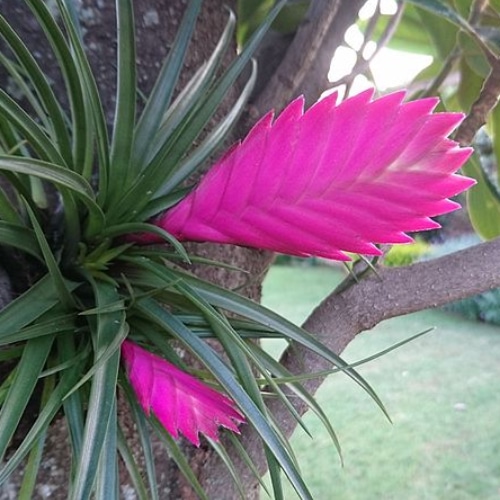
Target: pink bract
179, 401
333, 179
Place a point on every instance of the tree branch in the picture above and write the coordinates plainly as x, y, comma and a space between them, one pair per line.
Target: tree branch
299, 58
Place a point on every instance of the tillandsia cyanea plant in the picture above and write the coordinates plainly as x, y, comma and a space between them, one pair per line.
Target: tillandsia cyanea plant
111, 299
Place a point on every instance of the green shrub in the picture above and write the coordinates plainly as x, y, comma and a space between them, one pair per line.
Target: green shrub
404, 255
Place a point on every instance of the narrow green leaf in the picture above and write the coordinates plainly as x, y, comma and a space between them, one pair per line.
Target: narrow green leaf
28, 307
132, 467
178, 456
52, 172
68, 66
242, 306
42, 87
47, 413
145, 437
52, 265
107, 484
161, 94
73, 406
93, 104
123, 128
226, 459
56, 323
142, 227
236, 443
27, 489
31, 131
27, 372
101, 404
226, 378
210, 144
20, 237
182, 139
8, 206
194, 91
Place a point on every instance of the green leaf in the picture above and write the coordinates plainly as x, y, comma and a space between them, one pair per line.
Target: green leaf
205, 353
48, 411
28, 307
182, 139
178, 457
216, 137
73, 407
26, 376
132, 467
27, 489
161, 94
35, 135
442, 33
107, 483
101, 404
251, 13
42, 87
443, 10
60, 283
19, 237
483, 202
124, 122
469, 85
48, 171
144, 433
242, 306
93, 103
67, 63
55, 323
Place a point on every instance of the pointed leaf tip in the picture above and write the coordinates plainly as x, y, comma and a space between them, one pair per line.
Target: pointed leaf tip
336, 178
180, 402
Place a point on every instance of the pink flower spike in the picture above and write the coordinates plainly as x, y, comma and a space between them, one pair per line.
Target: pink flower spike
179, 401
336, 178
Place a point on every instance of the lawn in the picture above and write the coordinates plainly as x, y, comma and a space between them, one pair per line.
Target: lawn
441, 391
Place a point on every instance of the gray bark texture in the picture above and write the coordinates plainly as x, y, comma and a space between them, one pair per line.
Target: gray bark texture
297, 65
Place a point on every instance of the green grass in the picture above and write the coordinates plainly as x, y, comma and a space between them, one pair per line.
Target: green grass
441, 390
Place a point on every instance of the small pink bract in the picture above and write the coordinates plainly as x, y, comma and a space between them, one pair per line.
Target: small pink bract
180, 402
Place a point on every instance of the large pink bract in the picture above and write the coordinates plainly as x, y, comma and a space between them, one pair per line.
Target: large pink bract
179, 401
335, 179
